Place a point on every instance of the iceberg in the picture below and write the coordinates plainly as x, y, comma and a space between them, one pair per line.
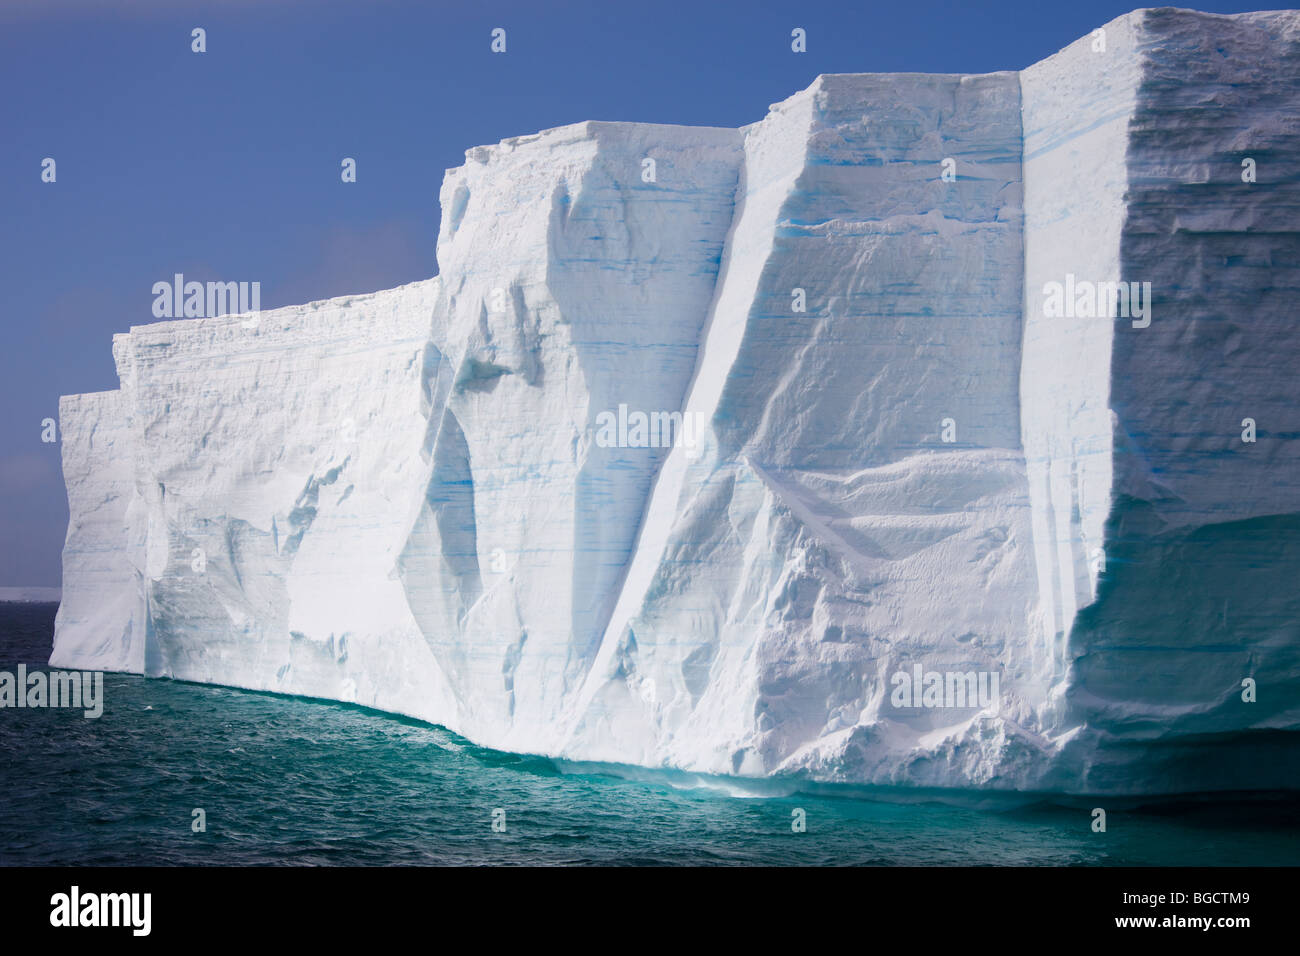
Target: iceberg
934, 430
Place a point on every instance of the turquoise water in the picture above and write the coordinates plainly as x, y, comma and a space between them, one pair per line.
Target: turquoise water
285, 780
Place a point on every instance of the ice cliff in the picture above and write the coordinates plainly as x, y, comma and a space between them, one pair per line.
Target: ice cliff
763, 451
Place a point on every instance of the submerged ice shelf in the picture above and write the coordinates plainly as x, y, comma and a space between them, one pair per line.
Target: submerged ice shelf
855, 451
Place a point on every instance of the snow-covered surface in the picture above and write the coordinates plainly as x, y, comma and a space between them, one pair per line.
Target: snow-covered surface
404, 499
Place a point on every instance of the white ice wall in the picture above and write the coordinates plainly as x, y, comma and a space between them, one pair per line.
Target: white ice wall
98, 625
572, 285
1203, 538
787, 571
276, 473
401, 501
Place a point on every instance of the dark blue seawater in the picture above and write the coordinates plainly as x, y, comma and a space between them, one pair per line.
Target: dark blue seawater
285, 780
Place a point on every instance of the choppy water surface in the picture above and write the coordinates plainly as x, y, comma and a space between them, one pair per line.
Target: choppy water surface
284, 780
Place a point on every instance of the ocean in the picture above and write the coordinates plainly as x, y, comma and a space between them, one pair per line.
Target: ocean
283, 780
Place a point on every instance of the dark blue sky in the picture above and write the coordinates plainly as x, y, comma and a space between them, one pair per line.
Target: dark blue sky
225, 165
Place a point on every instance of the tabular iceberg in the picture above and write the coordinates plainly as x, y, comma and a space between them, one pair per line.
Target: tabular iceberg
766, 451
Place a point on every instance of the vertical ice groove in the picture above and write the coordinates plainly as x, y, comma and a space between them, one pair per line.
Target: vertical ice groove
1077, 106
772, 164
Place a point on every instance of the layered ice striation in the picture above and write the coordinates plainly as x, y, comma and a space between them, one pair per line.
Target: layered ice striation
765, 451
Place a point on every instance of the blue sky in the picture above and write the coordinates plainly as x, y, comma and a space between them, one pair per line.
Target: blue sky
225, 165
